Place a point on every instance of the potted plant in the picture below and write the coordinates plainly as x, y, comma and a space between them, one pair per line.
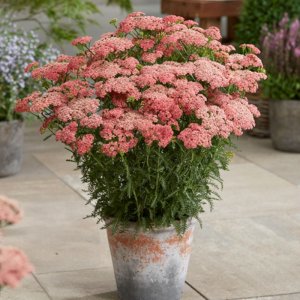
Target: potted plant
147, 112
281, 55
17, 49
255, 15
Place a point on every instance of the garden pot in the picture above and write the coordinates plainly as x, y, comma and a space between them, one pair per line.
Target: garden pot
285, 124
150, 265
11, 147
262, 126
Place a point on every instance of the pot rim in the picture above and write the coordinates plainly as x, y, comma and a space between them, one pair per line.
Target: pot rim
132, 227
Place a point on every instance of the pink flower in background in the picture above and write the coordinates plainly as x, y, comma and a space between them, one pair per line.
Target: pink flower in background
14, 266
10, 212
297, 52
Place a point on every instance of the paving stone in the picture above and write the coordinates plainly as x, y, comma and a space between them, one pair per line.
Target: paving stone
246, 257
261, 152
58, 164
250, 190
53, 227
29, 290
31, 169
93, 284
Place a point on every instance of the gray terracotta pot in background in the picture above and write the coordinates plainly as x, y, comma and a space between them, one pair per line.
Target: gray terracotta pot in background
150, 265
11, 147
285, 124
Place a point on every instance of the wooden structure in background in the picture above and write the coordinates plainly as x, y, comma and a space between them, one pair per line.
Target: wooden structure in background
209, 11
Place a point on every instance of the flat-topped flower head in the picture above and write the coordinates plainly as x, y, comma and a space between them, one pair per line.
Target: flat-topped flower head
10, 212
14, 266
169, 68
81, 40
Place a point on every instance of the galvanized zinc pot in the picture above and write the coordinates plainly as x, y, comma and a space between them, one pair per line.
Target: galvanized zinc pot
150, 265
11, 147
285, 124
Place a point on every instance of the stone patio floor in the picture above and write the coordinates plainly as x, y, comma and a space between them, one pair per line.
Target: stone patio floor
249, 247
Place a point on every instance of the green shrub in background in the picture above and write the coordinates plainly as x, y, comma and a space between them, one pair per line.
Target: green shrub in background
59, 19
257, 13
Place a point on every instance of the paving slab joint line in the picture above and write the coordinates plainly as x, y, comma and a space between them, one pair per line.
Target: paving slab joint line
264, 296
60, 179
42, 287
68, 271
198, 292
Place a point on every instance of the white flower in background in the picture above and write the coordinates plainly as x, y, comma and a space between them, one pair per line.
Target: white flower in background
18, 48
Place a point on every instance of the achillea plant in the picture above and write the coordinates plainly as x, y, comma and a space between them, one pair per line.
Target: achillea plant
14, 266
147, 112
10, 213
281, 56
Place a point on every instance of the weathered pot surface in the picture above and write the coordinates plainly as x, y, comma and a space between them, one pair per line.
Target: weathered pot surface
285, 124
150, 265
11, 147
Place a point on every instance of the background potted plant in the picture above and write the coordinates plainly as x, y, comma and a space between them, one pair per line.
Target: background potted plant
17, 49
255, 15
147, 112
281, 55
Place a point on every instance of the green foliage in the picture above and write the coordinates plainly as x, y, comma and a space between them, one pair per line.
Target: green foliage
257, 13
280, 87
65, 19
152, 186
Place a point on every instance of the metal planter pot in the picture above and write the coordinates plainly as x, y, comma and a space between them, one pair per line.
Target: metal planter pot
150, 265
285, 124
11, 147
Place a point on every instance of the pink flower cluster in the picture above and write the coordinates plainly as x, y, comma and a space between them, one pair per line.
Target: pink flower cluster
10, 213
14, 265
153, 80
